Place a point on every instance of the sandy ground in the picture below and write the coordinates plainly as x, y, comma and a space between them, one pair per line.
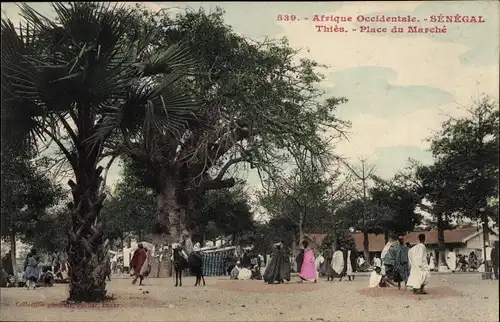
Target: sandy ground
452, 297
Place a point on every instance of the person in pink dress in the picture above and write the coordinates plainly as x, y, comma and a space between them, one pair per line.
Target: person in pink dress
308, 269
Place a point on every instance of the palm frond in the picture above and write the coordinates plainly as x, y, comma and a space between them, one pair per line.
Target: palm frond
176, 56
88, 62
22, 119
158, 103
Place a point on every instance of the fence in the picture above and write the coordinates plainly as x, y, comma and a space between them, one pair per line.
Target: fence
214, 261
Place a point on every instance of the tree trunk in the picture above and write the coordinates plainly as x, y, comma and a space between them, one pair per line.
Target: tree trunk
170, 212
86, 254
301, 232
334, 240
441, 241
486, 238
366, 246
13, 255
386, 237
202, 243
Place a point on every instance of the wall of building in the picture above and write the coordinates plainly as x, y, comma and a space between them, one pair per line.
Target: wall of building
476, 242
458, 248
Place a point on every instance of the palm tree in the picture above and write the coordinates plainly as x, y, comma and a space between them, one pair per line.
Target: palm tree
85, 79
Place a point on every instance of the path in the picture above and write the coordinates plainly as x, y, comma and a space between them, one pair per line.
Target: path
223, 300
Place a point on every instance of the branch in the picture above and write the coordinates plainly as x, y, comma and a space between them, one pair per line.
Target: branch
217, 184
70, 156
351, 169
227, 142
68, 129
105, 175
226, 167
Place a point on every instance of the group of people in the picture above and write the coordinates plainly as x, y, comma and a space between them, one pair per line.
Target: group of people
401, 263
35, 273
339, 263
334, 264
471, 262
246, 266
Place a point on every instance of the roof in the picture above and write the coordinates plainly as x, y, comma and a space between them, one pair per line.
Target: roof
458, 235
480, 231
376, 243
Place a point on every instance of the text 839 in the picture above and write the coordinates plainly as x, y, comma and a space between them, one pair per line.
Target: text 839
286, 18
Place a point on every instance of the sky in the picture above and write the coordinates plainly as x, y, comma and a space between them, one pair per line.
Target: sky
400, 86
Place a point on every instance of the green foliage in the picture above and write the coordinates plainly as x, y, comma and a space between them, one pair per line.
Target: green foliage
466, 152
26, 194
364, 215
51, 232
225, 212
302, 199
400, 202
129, 210
97, 71
264, 235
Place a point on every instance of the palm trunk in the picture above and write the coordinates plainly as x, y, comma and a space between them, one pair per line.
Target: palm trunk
13, 255
366, 246
441, 241
86, 255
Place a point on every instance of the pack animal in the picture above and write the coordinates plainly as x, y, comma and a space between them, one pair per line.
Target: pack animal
194, 263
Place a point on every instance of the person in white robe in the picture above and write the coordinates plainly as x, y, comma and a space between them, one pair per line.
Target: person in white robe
361, 262
126, 259
432, 262
419, 272
378, 280
319, 260
337, 264
451, 261
377, 262
244, 274
375, 277
235, 272
349, 270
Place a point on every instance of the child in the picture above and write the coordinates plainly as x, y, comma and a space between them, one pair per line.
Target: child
379, 280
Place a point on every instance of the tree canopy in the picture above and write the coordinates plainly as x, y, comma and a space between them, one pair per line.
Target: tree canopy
27, 193
262, 104
466, 152
225, 212
130, 210
401, 204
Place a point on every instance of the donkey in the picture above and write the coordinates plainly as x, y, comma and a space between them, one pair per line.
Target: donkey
194, 263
